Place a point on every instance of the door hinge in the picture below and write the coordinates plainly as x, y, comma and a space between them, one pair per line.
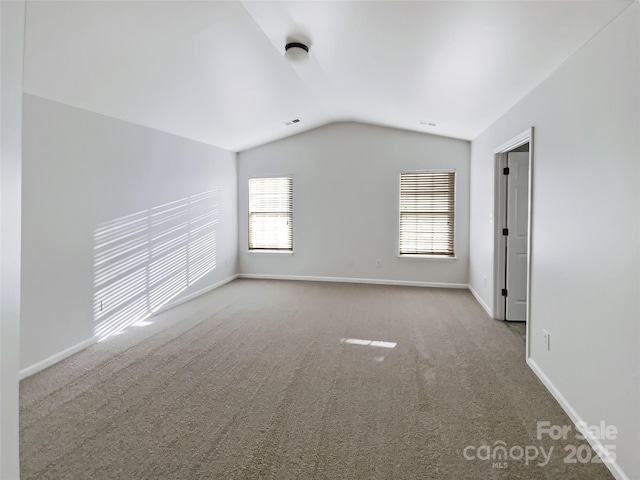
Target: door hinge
505, 170
505, 231
504, 292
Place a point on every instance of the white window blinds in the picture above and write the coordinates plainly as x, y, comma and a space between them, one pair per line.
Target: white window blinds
271, 213
427, 212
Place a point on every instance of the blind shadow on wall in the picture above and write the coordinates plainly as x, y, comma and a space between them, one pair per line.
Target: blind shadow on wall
145, 259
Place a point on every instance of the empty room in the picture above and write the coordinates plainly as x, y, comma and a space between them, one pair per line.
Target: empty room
320, 239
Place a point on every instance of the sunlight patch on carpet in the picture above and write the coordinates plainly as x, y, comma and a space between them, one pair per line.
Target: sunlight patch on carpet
368, 343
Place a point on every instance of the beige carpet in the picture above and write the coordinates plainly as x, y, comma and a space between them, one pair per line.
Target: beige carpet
254, 382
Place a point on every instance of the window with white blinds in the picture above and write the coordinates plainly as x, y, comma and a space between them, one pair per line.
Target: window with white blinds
271, 213
427, 212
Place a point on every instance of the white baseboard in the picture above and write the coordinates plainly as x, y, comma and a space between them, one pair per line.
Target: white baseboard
47, 362
353, 280
595, 442
90, 341
191, 296
481, 302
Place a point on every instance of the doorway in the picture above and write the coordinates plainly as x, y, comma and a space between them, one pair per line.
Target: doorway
516, 233
512, 255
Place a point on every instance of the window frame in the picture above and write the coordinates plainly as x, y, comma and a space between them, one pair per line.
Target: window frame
277, 251
428, 256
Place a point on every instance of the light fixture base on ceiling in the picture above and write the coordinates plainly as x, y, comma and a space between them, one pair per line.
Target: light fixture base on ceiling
296, 53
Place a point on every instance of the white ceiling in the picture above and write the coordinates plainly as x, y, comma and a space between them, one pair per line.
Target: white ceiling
213, 71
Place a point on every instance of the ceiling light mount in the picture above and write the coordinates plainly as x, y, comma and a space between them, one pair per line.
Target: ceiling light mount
296, 53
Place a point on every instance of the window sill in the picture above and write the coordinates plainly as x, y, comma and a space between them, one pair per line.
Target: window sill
272, 252
437, 258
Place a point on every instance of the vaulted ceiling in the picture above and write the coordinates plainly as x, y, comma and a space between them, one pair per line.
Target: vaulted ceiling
214, 71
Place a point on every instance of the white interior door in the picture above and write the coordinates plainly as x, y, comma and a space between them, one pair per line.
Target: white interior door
517, 225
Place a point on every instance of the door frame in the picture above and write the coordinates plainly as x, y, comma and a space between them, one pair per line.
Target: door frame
500, 200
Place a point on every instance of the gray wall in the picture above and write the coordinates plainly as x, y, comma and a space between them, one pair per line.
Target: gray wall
585, 228
346, 195
86, 174
12, 16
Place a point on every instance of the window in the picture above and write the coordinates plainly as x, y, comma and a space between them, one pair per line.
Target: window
271, 213
427, 212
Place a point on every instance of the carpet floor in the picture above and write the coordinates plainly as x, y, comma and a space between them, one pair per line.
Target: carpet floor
281, 380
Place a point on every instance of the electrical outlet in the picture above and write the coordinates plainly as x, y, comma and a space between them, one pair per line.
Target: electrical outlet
547, 339
378, 262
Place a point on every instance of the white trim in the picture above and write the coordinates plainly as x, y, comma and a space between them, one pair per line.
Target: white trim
375, 281
500, 155
515, 142
191, 296
595, 443
270, 252
47, 362
419, 256
426, 170
275, 175
481, 301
